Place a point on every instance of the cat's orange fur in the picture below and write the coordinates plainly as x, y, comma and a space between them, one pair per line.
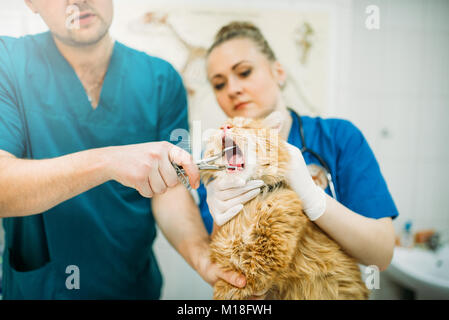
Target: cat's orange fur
272, 242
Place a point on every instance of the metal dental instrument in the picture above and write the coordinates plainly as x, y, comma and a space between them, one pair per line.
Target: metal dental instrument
203, 164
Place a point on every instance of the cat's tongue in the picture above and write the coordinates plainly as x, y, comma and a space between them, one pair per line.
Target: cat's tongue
236, 160
234, 157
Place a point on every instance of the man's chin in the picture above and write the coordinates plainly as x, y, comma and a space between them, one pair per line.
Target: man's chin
85, 42
82, 37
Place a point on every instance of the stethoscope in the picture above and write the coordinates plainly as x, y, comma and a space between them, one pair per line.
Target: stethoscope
323, 163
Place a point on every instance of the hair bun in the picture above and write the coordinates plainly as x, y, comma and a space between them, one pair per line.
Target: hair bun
234, 28
246, 30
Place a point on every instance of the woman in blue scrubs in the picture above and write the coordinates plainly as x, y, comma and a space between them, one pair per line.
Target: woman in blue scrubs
247, 81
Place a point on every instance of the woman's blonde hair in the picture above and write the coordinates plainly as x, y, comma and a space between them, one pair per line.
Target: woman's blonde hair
243, 30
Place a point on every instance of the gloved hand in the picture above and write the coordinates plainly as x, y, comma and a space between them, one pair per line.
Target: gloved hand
312, 196
226, 196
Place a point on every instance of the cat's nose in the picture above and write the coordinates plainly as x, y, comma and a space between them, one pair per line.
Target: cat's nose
225, 128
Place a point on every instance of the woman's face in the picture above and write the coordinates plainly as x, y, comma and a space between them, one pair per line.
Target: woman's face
244, 81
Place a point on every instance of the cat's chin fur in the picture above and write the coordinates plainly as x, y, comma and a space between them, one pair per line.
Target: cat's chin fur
271, 241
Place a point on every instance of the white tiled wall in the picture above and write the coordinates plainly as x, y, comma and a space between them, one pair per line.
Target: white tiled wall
399, 98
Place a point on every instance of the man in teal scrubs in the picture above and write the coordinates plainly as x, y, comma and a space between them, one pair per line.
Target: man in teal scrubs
85, 171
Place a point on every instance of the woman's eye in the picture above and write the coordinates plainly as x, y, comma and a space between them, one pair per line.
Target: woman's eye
219, 86
246, 73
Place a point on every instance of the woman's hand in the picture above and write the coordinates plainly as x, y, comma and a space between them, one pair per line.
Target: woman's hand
226, 196
298, 177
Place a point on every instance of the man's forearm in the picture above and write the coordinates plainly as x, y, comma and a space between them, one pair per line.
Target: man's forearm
179, 219
30, 187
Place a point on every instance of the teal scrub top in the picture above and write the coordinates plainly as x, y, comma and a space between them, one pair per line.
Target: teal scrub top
108, 231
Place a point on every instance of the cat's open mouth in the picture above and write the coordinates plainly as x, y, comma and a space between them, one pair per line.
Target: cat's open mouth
234, 157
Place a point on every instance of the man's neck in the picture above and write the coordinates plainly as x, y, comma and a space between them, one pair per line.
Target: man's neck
90, 63
93, 57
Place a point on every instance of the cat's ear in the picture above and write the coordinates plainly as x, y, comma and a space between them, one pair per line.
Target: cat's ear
273, 121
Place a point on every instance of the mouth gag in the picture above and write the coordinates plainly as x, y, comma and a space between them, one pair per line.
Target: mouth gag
204, 164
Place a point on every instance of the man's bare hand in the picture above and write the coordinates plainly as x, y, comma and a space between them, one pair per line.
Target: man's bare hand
147, 167
211, 272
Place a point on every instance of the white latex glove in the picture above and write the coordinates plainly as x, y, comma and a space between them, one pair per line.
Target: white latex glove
226, 196
312, 196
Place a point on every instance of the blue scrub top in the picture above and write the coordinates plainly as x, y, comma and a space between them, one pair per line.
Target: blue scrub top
108, 231
358, 181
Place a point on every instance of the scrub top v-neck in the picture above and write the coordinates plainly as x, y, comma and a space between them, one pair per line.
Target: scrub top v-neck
75, 90
108, 231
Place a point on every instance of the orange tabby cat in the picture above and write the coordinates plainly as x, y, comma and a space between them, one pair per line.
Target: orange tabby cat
272, 242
